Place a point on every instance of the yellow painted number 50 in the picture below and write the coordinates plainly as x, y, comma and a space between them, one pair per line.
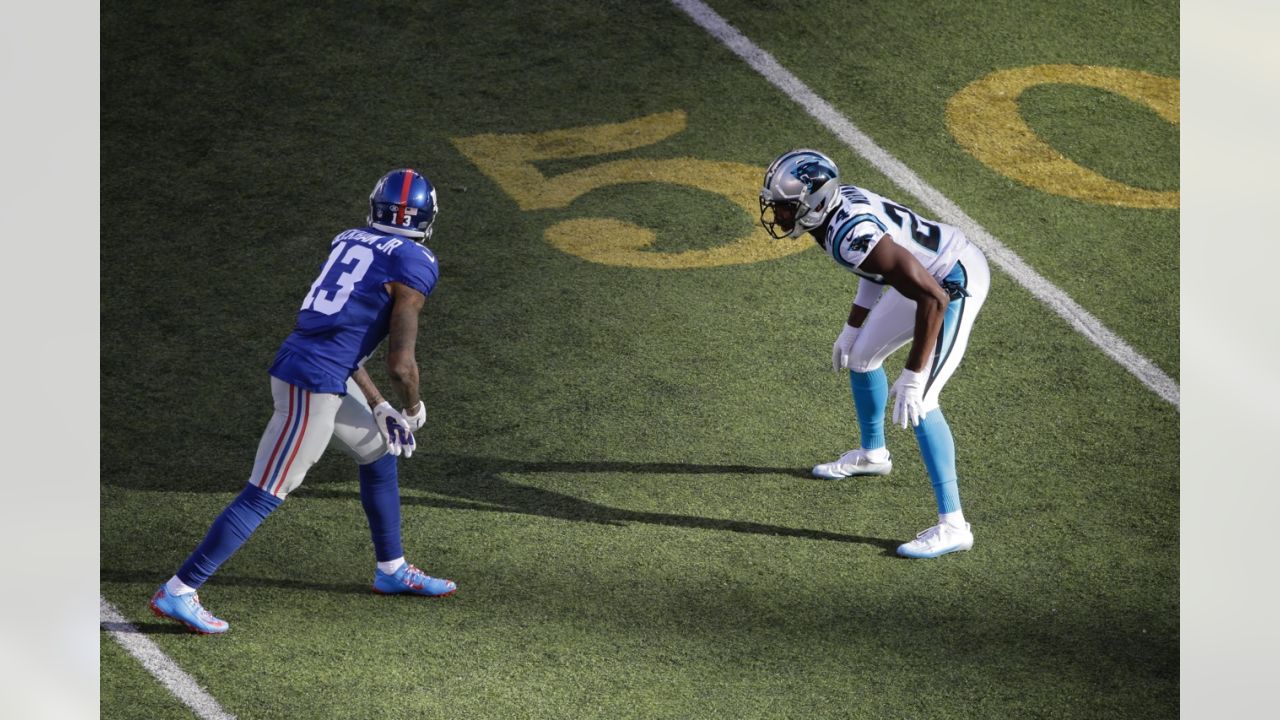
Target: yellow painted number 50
509, 160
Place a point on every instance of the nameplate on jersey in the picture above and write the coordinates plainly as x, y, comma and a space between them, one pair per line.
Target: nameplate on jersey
379, 242
854, 195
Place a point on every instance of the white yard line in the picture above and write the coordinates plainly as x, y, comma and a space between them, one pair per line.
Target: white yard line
141, 647
937, 203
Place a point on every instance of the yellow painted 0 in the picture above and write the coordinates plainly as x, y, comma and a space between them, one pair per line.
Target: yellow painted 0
509, 161
984, 119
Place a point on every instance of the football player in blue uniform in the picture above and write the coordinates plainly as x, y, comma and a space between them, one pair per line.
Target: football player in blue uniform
921, 282
372, 286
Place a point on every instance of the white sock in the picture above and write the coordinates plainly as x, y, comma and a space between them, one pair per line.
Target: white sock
176, 587
954, 519
879, 454
391, 566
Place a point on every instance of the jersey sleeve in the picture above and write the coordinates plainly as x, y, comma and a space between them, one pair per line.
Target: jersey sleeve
416, 267
854, 238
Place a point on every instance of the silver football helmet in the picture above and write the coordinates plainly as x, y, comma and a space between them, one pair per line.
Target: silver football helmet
800, 189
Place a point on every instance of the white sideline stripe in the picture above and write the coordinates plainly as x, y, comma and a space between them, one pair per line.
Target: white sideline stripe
183, 686
1022, 273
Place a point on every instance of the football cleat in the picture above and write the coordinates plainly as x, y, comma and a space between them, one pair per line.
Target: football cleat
409, 579
186, 609
938, 540
854, 462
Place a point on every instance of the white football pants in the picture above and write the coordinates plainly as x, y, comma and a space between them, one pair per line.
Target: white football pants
303, 425
892, 322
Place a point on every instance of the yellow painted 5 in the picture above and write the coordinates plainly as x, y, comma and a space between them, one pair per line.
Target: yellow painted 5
509, 160
984, 119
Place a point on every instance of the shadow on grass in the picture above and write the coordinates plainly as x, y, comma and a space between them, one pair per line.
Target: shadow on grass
148, 628
477, 483
148, 577
527, 500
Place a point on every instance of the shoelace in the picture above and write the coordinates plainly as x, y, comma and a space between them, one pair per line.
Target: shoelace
200, 611
414, 576
858, 457
928, 535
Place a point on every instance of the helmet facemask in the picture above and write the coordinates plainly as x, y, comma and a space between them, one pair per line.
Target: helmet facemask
778, 216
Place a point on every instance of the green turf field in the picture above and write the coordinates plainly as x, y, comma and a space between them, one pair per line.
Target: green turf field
614, 468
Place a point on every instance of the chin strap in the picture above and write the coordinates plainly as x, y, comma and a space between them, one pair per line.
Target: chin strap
806, 228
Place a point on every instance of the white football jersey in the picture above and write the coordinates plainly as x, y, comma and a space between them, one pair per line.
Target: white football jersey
862, 218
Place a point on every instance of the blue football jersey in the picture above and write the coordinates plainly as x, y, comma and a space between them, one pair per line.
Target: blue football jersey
347, 313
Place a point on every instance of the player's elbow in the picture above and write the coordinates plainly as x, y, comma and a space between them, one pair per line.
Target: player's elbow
936, 301
935, 304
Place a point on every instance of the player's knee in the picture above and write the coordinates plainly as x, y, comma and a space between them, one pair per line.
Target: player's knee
369, 453
362, 444
863, 363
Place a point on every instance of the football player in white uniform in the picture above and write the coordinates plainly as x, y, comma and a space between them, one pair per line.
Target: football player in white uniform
921, 282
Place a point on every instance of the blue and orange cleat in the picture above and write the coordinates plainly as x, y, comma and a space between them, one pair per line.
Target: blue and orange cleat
409, 579
186, 609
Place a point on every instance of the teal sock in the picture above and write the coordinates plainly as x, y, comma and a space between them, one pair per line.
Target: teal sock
938, 448
870, 391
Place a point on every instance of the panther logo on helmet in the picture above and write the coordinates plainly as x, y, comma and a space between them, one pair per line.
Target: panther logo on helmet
813, 173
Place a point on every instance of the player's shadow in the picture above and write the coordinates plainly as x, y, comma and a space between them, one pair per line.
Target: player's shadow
149, 577
457, 482
465, 482
147, 628
477, 483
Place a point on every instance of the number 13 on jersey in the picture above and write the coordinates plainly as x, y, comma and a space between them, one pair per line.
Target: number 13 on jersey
329, 294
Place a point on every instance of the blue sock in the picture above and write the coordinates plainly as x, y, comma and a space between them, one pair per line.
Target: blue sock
227, 533
380, 496
938, 449
870, 391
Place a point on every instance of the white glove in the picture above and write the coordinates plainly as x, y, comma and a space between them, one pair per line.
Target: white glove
844, 344
394, 428
418, 419
908, 400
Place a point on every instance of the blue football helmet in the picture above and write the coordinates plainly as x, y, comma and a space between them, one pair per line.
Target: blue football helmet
403, 203
801, 188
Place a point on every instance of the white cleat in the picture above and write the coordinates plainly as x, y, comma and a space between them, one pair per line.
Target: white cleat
854, 462
938, 540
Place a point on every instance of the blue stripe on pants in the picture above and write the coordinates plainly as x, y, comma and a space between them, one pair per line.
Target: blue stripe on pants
288, 443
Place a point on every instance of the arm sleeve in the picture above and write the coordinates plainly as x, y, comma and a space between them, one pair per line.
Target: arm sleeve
868, 293
417, 269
